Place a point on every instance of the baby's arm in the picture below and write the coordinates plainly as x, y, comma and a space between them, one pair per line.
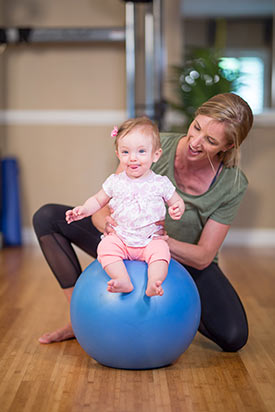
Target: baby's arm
91, 206
176, 206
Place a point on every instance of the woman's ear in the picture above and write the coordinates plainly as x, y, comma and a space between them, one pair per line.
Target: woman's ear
157, 155
228, 147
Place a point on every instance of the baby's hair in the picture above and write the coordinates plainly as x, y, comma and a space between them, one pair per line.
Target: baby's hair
143, 123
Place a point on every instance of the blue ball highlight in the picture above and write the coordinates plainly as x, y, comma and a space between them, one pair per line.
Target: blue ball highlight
132, 330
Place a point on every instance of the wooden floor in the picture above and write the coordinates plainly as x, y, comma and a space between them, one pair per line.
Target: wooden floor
61, 377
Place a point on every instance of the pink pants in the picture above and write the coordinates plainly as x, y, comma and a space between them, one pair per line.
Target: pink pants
112, 249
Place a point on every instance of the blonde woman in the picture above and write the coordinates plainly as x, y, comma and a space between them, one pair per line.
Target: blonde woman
203, 166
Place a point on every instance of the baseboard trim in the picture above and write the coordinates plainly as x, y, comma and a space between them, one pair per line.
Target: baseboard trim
250, 238
235, 237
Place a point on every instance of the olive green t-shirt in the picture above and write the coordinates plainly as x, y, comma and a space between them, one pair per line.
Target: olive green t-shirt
220, 202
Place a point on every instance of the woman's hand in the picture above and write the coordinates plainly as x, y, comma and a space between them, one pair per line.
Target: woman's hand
161, 233
110, 223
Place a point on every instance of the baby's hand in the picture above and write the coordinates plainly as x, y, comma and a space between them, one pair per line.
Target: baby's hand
176, 210
78, 213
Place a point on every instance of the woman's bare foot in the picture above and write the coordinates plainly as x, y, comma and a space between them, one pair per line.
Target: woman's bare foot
120, 286
154, 288
58, 335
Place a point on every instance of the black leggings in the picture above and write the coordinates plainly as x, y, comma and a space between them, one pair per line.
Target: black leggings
223, 319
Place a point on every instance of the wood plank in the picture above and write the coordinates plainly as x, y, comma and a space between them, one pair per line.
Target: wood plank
62, 377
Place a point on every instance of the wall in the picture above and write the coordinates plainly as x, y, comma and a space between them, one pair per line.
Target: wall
255, 221
257, 161
67, 162
61, 163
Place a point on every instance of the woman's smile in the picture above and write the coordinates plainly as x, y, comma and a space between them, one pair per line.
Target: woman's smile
193, 150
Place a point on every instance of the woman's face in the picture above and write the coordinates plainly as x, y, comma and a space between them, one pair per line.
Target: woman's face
206, 138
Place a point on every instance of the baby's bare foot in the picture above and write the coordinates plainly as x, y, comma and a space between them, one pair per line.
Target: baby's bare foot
120, 286
154, 288
58, 335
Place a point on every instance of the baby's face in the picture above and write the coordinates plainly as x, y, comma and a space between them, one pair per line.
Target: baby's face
136, 154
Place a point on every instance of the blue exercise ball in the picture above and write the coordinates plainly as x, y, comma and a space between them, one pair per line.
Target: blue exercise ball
132, 330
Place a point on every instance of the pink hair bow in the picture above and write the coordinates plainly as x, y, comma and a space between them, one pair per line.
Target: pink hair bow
114, 131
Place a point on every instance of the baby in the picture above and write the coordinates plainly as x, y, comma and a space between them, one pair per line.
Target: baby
137, 197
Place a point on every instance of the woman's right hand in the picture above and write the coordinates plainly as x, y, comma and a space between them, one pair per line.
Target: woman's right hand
161, 233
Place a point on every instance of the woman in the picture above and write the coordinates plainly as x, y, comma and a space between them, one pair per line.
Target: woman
203, 165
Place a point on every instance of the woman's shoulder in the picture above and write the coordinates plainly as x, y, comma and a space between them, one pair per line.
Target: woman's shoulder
169, 143
235, 173
169, 139
234, 180
164, 165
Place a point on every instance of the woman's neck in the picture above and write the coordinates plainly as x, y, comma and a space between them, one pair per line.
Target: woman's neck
193, 177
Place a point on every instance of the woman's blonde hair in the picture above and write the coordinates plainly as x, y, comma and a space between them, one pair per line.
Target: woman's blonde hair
232, 110
143, 123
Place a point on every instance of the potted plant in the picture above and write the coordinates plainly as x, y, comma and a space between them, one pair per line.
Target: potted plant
202, 75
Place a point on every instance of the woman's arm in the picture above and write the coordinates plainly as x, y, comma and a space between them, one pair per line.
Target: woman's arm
202, 254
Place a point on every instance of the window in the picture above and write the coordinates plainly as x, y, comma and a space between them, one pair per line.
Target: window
252, 79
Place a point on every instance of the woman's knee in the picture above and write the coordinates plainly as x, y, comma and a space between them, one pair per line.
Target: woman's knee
236, 340
45, 217
228, 342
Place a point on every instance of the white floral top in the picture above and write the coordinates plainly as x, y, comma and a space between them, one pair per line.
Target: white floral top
137, 205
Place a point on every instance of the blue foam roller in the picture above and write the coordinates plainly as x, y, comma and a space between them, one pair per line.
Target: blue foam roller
11, 216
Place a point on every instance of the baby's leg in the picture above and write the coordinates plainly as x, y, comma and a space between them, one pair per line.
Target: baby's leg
111, 252
157, 255
120, 281
157, 272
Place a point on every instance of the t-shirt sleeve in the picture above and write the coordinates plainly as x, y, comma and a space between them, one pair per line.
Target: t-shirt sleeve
108, 185
228, 208
168, 188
